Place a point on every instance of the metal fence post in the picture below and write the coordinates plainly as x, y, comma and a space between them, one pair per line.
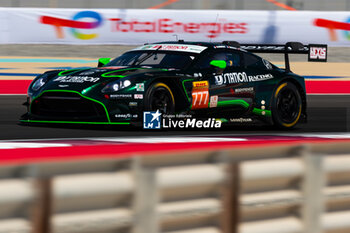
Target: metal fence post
230, 200
146, 198
313, 186
43, 206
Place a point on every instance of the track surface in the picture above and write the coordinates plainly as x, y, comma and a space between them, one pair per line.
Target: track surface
326, 114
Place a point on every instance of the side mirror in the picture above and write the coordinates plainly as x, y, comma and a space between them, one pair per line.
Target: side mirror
218, 64
103, 61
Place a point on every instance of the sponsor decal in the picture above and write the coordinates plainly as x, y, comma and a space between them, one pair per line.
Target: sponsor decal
226, 47
138, 96
87, 72
240, 77
201, 84
63, 85
122, 115
151, 120
220, 46
244, 90
133, 104
267, 64
263, 47
173, 47
76, 79
121, 96
126, 116
241, 120
75, 24
200, 94
140, 87
166, 25
318, 53
213, 101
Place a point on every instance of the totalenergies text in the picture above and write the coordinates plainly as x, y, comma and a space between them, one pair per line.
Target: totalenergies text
166, 25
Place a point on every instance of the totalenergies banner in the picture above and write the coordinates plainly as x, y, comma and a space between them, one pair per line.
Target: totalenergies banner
132, 26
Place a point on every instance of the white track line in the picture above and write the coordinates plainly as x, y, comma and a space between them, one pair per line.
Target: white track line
20, 145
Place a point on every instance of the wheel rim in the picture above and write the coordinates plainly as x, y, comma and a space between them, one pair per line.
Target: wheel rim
288, 105
161, 100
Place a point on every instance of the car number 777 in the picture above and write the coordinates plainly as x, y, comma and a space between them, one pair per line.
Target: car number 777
200, 99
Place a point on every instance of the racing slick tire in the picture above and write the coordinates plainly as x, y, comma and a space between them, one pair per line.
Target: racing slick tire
286, 106
160, 97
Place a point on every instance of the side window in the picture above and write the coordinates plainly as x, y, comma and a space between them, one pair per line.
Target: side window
204, 62
251, 61
232, 59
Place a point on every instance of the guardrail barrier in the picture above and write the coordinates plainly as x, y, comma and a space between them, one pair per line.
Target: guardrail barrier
282, 189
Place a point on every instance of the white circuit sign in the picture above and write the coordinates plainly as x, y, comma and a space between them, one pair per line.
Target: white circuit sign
139, 26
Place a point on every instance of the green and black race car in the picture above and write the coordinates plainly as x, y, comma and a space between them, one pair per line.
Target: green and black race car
224, 81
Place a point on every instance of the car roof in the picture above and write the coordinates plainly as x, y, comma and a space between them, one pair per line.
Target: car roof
188, 46
206, 44
210, 45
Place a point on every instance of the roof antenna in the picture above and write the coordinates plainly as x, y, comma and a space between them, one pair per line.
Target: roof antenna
176, 36
216, 21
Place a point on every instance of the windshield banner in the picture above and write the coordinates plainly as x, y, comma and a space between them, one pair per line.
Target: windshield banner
138, 26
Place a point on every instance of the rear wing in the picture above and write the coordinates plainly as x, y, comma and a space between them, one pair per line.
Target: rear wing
316, 52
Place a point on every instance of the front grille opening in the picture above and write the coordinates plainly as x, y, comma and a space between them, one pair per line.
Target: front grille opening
67, 106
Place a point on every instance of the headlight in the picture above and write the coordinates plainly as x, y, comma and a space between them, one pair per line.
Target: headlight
127, 83
39, 82
116, 86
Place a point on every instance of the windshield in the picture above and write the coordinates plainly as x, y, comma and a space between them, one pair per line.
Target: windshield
158, 59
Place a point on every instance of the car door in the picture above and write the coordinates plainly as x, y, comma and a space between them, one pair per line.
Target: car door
236, 92
221, 91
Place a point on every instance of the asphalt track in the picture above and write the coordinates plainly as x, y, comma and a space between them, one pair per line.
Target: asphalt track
326, 113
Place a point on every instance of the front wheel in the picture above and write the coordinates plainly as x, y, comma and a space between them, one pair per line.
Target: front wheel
160, 97
286, 105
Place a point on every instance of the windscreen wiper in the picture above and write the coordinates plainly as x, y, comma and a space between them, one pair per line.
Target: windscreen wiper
139, 61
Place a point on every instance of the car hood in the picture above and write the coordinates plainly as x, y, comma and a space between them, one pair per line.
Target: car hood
80, 79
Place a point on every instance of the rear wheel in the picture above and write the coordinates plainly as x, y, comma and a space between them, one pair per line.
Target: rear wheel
286, 106
160, 97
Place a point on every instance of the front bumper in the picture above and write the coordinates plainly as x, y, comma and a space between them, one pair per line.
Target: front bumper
73, 107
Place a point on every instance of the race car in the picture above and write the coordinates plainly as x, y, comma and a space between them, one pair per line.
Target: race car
225, 81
